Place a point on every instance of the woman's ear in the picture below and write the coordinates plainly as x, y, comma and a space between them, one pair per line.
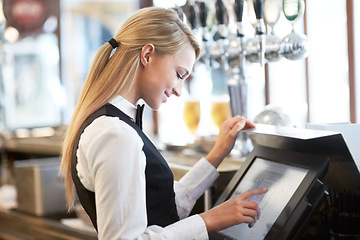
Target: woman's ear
147, 52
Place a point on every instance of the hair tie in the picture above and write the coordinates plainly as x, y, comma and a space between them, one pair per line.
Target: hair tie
113, 43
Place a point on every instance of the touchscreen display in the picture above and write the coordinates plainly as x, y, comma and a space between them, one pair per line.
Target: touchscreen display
282, 181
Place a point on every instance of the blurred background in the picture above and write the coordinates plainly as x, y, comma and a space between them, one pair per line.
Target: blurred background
46, 49
292, 63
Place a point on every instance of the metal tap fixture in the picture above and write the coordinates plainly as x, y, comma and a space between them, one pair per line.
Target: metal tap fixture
203, 17
228, 50
221, 36
260, 30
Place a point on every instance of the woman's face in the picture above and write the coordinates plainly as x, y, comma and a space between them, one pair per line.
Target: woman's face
161, 76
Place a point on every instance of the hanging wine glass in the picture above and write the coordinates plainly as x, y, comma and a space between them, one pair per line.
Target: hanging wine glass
251, 13
294, 44
272, 10
251, 46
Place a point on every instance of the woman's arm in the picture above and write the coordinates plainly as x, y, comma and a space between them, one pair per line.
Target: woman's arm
237, 209
226, 139
194, 183
234, 211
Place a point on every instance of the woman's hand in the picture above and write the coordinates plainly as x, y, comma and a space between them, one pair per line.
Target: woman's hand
234, 211
225, 141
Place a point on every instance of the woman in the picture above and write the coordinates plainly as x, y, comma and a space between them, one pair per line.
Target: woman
124, 184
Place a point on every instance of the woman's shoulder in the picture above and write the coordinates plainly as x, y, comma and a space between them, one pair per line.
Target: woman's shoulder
111, 127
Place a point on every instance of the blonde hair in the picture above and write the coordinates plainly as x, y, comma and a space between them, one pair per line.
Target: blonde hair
110, 75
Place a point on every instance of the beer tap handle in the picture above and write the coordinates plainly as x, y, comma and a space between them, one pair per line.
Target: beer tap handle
221, 20
222, 32
258, 7
239, 11
220, 12
260, 29
203, 14
192, 16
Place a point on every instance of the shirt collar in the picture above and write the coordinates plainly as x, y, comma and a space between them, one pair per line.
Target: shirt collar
124, 105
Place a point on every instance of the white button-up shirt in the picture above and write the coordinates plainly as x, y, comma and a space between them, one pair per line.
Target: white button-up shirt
112, 164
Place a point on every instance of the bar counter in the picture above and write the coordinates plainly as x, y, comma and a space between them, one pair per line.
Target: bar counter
19, 226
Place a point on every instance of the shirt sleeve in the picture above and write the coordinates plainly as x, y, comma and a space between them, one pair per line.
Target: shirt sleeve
111, 163
192, 185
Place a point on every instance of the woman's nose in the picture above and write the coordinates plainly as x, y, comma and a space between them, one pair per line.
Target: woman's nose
177, 90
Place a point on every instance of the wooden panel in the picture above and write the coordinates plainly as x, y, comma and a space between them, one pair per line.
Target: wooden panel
351, 57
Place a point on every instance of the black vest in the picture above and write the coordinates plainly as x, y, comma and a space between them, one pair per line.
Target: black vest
160, 196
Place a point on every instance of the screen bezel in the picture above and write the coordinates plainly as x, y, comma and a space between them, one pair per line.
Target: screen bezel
317, 168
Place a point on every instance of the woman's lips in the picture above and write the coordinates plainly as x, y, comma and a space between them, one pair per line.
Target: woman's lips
167, 95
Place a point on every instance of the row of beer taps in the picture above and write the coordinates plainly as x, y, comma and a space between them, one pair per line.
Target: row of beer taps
264, 46
227, 49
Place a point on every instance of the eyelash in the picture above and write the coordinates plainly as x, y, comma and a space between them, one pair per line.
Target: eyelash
180, 76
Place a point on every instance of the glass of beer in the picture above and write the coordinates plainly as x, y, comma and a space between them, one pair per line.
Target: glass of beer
192, 115
220, 111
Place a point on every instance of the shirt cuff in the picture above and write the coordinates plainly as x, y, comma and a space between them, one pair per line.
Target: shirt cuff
192, 227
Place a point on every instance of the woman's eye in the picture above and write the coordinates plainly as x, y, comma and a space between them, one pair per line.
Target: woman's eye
180, 76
